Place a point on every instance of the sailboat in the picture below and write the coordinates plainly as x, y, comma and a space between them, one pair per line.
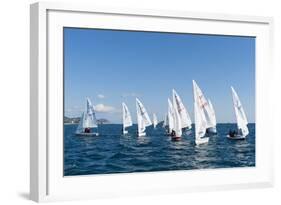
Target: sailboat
142, 118
88, 121
155, 121
200, 126
171, 118
127, 119
213, 119
199, 116
241, 118
205, 107
175, 123
184, 116
177, 126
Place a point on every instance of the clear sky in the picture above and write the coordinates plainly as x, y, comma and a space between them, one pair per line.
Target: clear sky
111, 67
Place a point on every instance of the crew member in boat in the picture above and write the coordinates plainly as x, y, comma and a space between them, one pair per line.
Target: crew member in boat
173, 133
87, 130
232, 133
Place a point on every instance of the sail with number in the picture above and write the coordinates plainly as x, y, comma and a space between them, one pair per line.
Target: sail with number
127, 119
184, 116
203, 104
155, 121
142, 118
199, 116
240, 114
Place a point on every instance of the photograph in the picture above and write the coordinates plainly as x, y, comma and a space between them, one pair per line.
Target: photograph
148, 101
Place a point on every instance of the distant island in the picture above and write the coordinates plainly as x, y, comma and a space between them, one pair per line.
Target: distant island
75, 120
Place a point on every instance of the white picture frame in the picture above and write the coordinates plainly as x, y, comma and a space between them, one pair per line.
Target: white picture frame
47, 182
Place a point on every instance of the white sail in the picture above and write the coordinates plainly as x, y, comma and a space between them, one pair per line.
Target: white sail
127, 119
202, 104
177, 125
142, 118
212, 114
199, 117
178, 104
88, 118
155, 121
200, 125
240, 114
171, 116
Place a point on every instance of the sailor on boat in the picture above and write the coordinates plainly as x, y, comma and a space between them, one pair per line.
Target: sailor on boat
241, 119
88, 122
174, 136
87, 130
232, 133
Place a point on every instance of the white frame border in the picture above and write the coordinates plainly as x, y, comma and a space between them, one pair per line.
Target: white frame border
39, 84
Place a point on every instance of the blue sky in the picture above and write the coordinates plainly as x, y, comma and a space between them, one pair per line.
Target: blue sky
111, 67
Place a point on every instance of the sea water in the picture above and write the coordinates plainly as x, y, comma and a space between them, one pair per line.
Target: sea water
111, 152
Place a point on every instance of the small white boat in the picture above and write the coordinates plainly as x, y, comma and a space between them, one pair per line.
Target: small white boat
200, 126
175, 126
87, 134
142, 118
241, 119
155, 121
199, 116
88, 122
127, 119
179, 106
207, 110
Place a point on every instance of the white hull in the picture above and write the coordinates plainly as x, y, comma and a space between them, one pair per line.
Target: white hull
202, 141
125, 132
237, 137
141, 134
87, 134
211, 130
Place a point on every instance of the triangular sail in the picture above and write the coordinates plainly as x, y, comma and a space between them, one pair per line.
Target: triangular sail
200, 124
155, 121
127, 119
142, 117
88, 118
178, 125
171, 116
178, 104
199, 116
202, 104
212, 114
240, 114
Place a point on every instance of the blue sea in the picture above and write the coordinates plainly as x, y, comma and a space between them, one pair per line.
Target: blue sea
111, 152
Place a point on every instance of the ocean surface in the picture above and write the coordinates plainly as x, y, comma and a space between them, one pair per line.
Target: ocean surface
112, 152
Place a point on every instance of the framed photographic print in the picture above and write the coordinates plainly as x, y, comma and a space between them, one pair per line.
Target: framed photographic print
127, 102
